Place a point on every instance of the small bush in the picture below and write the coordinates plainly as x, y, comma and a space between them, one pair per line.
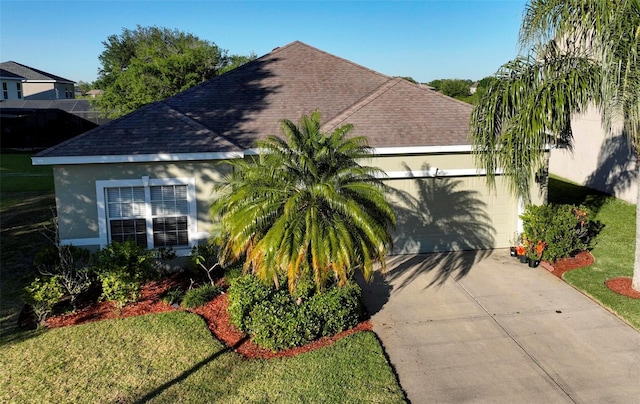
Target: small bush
122, 268
232, 272
338, 308
173, 296
566, 229
72, 266
42, 295
200, 296
278, 323
119, 286
245, 292
276, 320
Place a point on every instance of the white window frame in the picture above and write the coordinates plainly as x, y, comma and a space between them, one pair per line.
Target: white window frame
147, 183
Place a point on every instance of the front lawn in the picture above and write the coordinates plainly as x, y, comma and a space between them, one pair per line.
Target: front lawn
172, 357
614, 249
169, 357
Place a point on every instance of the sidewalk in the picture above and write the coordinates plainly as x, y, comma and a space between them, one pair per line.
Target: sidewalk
502, 333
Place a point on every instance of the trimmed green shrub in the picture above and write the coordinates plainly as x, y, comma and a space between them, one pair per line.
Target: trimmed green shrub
122, 268
245, 292
566, 229
277, 320
200, 295
42, 295
277, 323
338, 308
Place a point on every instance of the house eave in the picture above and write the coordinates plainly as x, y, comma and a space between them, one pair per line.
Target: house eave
135, 158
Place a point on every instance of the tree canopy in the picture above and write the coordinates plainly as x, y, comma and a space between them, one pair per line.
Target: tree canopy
150, 63
305, 208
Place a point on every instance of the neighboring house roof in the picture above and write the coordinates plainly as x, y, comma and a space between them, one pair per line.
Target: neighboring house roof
73, 105
94, 93
31, 74
5, 74
228, 113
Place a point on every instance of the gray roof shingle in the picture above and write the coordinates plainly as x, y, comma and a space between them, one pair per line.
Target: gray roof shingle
230, 112
31, 73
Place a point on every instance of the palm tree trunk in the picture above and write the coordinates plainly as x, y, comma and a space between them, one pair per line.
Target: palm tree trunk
635, 283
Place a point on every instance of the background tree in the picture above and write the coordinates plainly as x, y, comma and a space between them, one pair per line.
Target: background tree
151, 63
456, 88
306, 207
84, 86
585, 53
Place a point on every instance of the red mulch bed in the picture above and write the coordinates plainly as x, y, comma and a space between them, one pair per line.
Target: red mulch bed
558, 268
620, 285
214, 313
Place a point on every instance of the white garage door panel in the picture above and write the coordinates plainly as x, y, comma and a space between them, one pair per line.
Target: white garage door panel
449, 214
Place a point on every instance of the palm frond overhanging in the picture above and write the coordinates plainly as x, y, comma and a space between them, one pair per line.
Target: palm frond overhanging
306, 207
585, 54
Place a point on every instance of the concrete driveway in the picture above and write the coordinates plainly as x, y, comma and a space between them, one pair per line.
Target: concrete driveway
480, 327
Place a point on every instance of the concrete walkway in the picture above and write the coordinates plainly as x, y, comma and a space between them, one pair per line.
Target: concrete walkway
464, 328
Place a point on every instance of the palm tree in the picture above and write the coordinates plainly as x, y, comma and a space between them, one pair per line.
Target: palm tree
585, 52
305, 207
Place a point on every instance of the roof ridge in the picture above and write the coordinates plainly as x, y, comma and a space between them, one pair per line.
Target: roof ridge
361, 103
334, 57
192, 122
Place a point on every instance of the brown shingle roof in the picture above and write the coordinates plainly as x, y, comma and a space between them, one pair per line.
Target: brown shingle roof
230, 112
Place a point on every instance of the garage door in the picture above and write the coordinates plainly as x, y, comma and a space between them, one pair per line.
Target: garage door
451, 214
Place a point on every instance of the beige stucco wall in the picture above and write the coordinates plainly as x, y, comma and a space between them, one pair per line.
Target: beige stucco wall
600, 160
453, 211
38, 91
76, 191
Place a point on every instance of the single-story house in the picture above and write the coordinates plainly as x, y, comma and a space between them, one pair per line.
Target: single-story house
149, 175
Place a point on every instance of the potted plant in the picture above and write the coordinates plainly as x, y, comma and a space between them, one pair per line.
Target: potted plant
521, 252
514, 242
535, 253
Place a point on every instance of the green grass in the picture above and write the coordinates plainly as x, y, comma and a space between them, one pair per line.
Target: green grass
614, 249
26, 203
171, 357
18, 175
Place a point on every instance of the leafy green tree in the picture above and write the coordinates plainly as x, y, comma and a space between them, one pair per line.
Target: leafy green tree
305, 208
149, 64
585, 53
456, 88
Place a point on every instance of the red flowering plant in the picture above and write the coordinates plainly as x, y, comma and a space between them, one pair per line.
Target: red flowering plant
540, 246
520, 250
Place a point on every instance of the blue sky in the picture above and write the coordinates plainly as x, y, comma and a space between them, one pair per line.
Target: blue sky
425, 40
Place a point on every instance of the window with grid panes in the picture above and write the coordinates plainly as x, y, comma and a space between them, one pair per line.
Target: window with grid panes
126, 210
169, 211
168, 222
